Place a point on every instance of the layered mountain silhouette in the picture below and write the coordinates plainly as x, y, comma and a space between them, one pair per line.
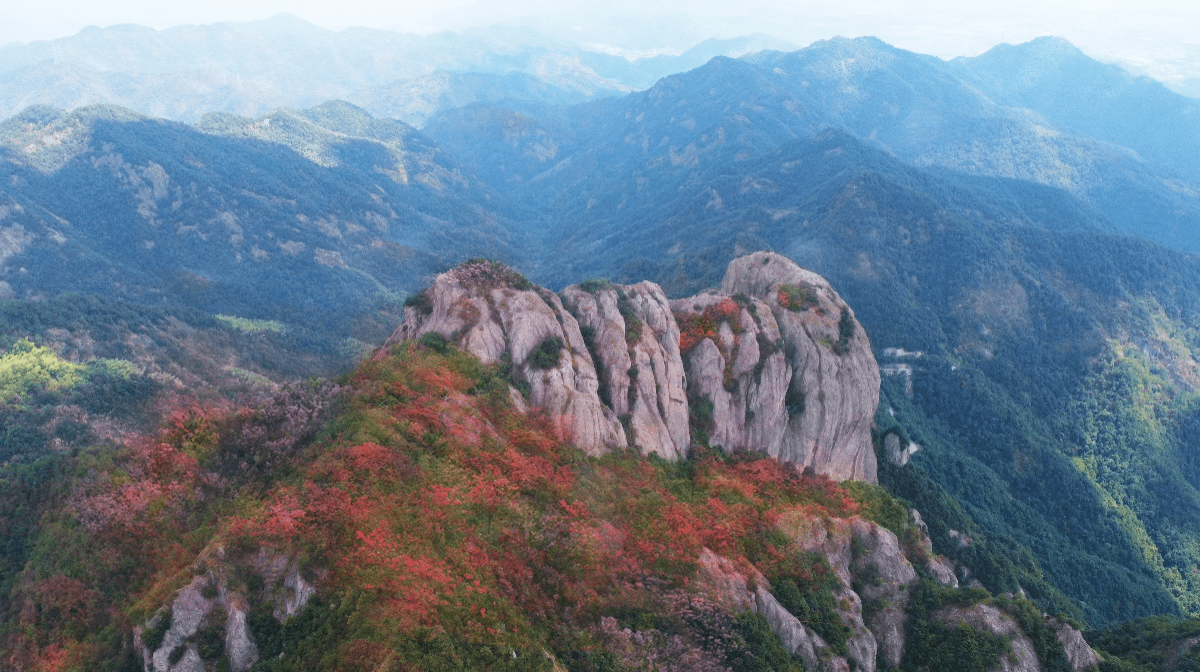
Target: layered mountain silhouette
908, 105
251, 68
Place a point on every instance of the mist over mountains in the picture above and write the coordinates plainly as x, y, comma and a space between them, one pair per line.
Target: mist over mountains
1016, 233
254, 67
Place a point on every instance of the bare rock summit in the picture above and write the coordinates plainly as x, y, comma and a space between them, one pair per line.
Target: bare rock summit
773, 362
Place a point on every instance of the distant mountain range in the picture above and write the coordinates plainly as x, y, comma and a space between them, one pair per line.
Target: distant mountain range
252, 68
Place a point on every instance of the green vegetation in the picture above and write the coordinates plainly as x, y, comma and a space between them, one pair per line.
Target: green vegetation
488, 273
806, 589
153, 636
1152, 644
420, 301
633, 323
546, 355
845, 332
27, 367
248, 326
594, 285
798, 298
441, 546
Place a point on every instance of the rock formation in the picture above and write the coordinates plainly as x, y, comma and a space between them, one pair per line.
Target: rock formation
774, 362
990, 619
875, 575
834, 387
634, 340
1079, 654
493, 313
208, 620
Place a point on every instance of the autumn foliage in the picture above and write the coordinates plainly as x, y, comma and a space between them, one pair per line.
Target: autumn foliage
695, 327
439, 520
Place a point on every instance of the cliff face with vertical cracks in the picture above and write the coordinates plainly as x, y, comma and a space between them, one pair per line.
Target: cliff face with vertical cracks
773, 362
834, 379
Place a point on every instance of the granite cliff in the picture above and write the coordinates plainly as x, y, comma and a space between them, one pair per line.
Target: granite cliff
774, 361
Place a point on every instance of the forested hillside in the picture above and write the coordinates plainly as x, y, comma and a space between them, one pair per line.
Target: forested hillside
319, 220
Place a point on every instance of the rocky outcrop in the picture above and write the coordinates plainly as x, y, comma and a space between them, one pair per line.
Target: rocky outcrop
987, 618
774, 362
634, 341
209, 619
875, 576
493, 313
1079, 654
240, 648
189, 611
939, 567
797, 638
834, 387
898, 449
736, 370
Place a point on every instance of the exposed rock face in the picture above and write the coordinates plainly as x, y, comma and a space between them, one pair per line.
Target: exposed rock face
721, 580
795, 380
987, 618
188, 611
796, 636
886, 576
898, 451
239, 643
876, 577
1079, 654
834, 387
641, 373
742, 372
487, 312
224, 614
865, 555
940, 567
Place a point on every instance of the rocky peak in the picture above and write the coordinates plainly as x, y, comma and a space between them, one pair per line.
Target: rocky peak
773, 362
494, 313
833, 389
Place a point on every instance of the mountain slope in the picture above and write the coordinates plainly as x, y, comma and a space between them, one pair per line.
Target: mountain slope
418, 516
1092, 99
912, 106
287, 217
1015, 292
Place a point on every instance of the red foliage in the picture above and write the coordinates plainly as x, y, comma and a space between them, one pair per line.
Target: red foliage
65, 601
412, 587
496, 525
371, 458
695, 327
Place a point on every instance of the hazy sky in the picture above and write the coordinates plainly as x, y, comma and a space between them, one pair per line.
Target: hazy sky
1160, 36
